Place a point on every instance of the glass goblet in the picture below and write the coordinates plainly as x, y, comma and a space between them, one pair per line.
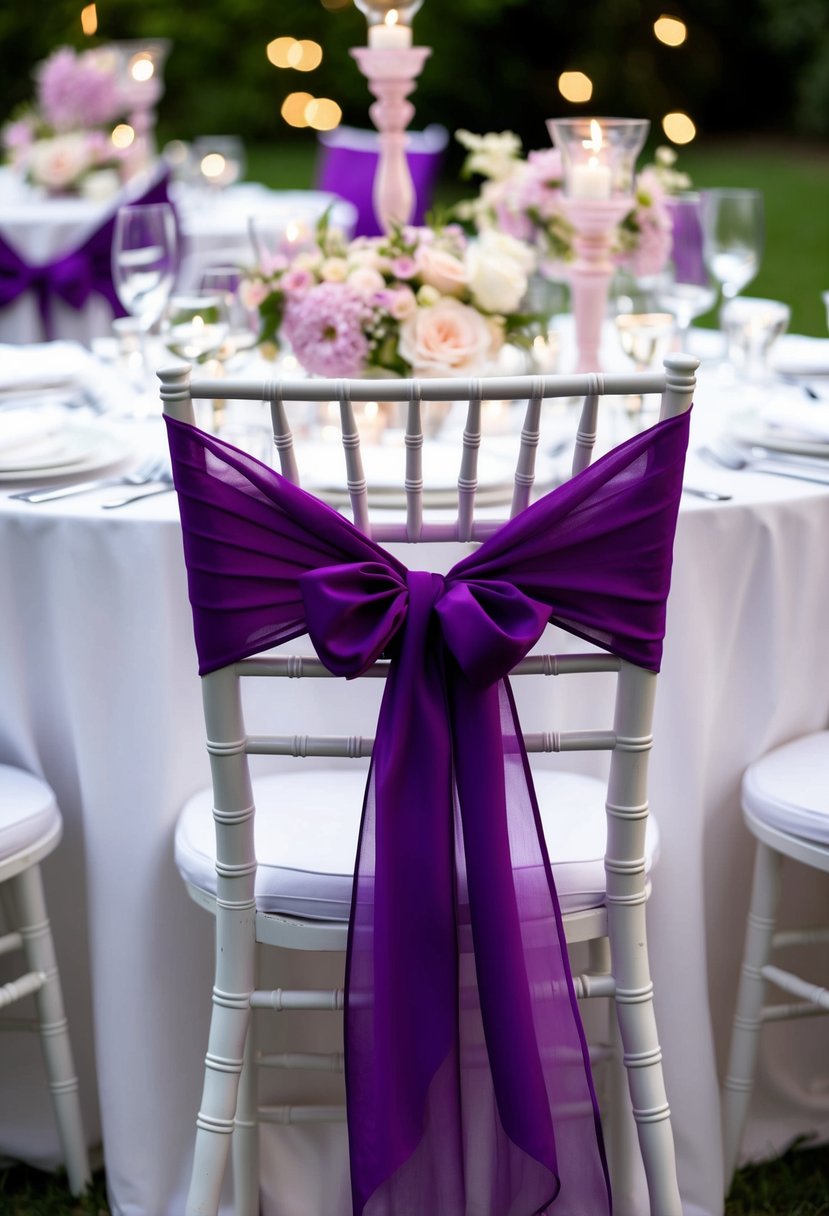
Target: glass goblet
143, 260
243, 324
644, 338
684, 288
733, 237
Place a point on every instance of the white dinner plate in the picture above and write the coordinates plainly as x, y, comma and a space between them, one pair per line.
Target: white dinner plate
324, 465
749, 429
87, 450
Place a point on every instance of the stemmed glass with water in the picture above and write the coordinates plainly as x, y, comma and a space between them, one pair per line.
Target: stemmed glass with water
733, 236
685, 288
144, 258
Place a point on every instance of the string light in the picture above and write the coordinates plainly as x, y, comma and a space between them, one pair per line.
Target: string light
323, 114
293, 109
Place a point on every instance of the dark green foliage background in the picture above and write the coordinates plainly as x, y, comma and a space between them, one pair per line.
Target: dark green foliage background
749, 65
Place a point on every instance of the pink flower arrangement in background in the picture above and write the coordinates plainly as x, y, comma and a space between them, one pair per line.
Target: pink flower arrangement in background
523, 197
62, 141
419, 301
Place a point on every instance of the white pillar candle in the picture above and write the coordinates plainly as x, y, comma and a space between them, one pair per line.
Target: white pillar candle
591, 180
390, 35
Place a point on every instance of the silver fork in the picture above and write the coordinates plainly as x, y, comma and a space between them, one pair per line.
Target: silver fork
728, 457
154, 468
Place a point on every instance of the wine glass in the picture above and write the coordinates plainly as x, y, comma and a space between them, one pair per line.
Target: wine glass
195, 327
144, 248
644, 337
144, 252
684, 288
733, 237
243, 324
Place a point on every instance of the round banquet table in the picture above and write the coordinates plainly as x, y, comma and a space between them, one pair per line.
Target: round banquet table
99, 693
213, 229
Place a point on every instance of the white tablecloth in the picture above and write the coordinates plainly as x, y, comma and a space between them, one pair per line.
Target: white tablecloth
98, 691
214, 231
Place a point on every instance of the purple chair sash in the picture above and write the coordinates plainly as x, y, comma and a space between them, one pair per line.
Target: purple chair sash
467, 1074
74, 276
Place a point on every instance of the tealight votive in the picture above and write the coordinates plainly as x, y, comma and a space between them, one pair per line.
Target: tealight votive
598, 154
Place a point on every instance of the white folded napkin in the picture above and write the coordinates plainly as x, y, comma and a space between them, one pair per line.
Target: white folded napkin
797, 355
797, 418
42, 365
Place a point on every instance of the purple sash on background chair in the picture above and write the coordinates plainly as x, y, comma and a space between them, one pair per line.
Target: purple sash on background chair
74, 276
467, 1073
348, 162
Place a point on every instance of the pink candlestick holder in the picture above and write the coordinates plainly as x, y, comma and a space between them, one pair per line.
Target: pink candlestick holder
391, 76
594, 221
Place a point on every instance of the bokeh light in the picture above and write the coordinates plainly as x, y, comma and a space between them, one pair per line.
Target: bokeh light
323, 114
142, 68
89, 20
670, 30
278, 51
213, 166
293, 109
123, 135
575, 86
678, 127
299, 53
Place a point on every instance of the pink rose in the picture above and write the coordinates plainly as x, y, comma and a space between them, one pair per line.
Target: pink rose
252, 292
402, 303
441, 270
445, 339
296, 281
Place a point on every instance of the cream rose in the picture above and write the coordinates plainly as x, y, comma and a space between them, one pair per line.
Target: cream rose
445, 339
58, 163
441, 270
498, 267
365, 281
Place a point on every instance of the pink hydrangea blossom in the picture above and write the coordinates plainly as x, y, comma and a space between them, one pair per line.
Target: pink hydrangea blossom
325, 329
75, 91
297, 281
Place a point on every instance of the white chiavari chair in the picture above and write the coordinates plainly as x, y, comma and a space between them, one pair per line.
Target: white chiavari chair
291, 885
785, 800
30, 828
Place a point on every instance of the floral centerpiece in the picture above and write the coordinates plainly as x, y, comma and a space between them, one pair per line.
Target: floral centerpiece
63, 140
523, 197
419, 301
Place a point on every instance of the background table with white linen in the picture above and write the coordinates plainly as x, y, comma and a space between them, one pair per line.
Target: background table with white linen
213, 229
99, 693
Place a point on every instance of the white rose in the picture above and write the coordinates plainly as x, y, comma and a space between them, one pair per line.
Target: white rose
58, 163
334, 270
366, 281
441, 270
492, 155
498, 267
445, 339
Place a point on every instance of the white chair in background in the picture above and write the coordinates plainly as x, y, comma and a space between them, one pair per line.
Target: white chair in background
30, 828
785, 797
289, 883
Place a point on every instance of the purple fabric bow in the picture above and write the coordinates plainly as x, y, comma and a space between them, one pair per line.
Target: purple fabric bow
468, 1080
74, 276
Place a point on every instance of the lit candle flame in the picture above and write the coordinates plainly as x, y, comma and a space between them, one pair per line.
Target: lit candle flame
392, 17
595, 136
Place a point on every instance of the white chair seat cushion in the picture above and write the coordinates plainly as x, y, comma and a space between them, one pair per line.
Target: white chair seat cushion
28, 811
306, 840
788, 788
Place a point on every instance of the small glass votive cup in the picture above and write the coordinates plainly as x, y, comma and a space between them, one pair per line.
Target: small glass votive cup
751, 327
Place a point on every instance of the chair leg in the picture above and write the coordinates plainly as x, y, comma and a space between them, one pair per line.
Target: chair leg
745, 1034
39, 949
246, 1134
229, 1025
642, 1058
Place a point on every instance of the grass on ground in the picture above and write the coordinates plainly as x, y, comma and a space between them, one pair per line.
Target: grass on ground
796, 1184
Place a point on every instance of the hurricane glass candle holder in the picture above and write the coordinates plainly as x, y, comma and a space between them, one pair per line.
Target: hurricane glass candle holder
599, 159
